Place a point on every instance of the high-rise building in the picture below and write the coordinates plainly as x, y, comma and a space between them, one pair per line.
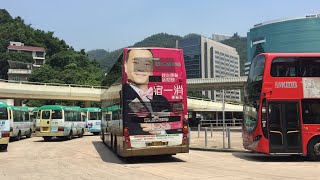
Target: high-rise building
285, 35
206, 58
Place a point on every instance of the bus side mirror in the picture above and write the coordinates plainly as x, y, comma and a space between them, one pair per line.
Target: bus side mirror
255, 105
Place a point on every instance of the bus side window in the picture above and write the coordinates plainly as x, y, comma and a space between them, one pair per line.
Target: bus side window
26, 114
67, 116
115, 115
79, 116
108, 117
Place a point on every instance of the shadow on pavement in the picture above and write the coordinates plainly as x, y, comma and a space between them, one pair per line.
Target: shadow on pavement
269, 158
57, 139
11, 140
107, 155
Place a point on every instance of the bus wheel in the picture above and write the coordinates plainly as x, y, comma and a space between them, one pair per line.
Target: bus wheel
19, 136
314, 149
69, 137
95, 133
29, 134
115, 147
3, 147
81, 134
102, 136
47, 138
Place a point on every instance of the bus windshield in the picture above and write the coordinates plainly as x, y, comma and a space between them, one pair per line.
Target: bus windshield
95, 116
56, 114
254, 84
252, 94
3, 113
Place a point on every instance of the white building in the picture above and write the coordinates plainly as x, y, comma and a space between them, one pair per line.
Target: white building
20, 71
206, 58
38, 53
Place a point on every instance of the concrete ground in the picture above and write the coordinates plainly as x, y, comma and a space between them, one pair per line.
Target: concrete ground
88, 158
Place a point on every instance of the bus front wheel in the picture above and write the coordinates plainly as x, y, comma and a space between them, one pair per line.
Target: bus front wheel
47, 138
81, 134
102, 136
18, 136
115, 145
314, 149
29, 134
3, 147
69, 137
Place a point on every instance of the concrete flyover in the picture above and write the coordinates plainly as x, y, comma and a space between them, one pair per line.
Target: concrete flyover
29, 90
216, 83
54, 91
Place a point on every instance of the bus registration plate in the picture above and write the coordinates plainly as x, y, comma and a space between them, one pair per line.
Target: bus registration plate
54, 128
156, 143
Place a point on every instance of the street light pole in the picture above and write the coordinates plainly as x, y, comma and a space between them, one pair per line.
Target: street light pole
223, 119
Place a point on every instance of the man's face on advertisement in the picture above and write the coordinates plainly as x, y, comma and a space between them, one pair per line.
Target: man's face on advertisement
139, 66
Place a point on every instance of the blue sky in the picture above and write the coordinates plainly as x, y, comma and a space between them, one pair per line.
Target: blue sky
113, 24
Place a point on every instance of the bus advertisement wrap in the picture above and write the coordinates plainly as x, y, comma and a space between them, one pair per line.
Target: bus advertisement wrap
154, 97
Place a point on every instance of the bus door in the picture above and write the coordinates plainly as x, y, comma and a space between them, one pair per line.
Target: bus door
284, 127
45, 121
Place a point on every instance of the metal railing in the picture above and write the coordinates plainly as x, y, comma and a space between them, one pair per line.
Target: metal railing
219, 122
53, 84
226, 101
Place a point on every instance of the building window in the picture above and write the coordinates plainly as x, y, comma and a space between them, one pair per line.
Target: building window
211, 62
206, 60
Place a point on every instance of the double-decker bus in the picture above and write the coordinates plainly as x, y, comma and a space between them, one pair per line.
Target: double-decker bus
282, 104
93, 120
21, 123
4, 125
59, 121
144, 110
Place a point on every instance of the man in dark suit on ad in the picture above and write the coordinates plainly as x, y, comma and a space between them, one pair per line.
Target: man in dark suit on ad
140, 102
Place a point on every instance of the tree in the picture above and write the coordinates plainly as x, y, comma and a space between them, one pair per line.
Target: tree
45, 74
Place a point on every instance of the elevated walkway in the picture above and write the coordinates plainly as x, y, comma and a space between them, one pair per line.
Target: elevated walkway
31, 90
216, 83
208, 105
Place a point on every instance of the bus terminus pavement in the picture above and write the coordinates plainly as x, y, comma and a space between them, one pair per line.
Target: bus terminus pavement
59, 121
282, 104
144, 110
4, 125
93, 120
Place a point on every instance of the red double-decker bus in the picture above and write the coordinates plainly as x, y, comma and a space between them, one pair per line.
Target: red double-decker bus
282, 104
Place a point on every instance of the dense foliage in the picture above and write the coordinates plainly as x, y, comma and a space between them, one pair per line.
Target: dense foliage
107, 59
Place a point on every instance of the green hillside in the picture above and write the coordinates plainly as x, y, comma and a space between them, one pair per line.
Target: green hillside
63, 64
107, 59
